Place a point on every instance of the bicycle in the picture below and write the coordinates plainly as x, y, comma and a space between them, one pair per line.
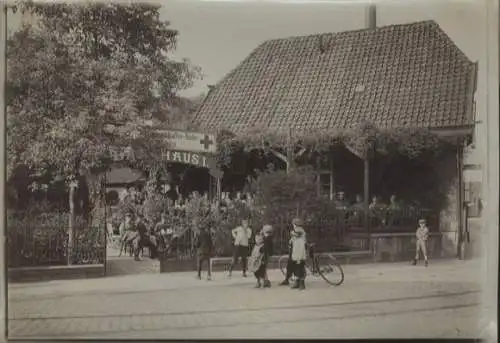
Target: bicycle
326, 265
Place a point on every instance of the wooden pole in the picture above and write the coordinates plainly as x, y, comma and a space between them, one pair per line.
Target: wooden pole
3, 161
71, 224
105, 221
219, 189
332, 181
318, 176
289, 153
366, 188
371, 16
210, 187
460, 205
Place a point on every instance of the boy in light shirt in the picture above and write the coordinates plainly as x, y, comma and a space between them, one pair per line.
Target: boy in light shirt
241, 236
422, 236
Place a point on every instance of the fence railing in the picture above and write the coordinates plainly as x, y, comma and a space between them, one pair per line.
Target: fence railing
329, 234
398, 220
43, 241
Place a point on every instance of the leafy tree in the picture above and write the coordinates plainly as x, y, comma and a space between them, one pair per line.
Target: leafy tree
288, 194
82, 81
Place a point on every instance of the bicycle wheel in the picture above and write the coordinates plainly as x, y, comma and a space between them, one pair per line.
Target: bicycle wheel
282, 262
330, 270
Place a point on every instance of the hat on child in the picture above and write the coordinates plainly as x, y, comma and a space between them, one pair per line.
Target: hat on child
297, 222
267, 229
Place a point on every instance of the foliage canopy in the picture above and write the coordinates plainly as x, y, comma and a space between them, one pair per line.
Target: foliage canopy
84, 79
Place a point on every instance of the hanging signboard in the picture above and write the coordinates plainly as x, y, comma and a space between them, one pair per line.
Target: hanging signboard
193, 148
190, 141
186, 157
194, 159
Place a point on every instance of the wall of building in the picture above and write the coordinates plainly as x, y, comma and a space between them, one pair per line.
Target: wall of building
449, 215
448, 220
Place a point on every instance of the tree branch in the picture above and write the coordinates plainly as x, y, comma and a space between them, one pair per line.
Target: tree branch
279, 155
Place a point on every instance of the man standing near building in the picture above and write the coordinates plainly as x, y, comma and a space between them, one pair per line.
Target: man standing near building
241, 236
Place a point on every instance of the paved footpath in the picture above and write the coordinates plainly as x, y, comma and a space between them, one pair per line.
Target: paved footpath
376, 300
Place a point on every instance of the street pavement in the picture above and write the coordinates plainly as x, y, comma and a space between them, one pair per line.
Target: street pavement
392, 300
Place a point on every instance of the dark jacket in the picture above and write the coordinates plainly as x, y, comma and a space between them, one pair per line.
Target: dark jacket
268, 246
141, 228
204, 243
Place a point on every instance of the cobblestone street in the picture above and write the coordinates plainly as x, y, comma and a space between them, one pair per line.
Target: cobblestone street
376, 300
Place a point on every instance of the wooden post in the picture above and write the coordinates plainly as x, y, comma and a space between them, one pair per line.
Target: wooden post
460, 205
318, 176
366, 188
71, 225
290, 155
289, 159
210, 187
219, 189
105, 181
332, 186
371, 16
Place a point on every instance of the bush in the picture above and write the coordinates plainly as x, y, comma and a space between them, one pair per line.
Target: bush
153, 206
281, 196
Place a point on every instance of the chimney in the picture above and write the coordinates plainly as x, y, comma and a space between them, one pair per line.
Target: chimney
321, 44
371, 16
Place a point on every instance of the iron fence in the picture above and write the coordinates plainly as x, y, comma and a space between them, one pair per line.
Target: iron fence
43, 241
328, 233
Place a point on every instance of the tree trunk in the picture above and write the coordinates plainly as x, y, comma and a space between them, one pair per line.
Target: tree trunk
97, 188
290, 159
71, 224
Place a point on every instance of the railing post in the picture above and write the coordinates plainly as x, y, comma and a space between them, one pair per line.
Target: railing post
366, 188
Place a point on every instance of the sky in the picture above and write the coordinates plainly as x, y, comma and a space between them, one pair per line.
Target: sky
218, 35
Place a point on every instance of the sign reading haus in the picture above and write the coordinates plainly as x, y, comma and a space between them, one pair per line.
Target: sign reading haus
193, 148
193, 159
186, 157
190, 141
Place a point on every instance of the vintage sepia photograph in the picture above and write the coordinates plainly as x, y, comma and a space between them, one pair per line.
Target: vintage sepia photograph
250, 169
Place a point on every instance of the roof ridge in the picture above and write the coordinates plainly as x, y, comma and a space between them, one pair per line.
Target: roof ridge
429, 22
411, 74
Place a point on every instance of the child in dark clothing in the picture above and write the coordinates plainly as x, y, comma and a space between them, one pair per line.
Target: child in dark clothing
267, 233
204, 249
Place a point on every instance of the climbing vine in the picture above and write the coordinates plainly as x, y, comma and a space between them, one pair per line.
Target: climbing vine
364, 139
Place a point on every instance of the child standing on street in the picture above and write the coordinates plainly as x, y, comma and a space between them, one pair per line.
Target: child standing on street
241, 236
298, 255
267, 234
259, 258
256, 261
422, 236
204, 249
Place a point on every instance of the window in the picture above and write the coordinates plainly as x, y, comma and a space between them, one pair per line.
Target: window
473, 197
323, 184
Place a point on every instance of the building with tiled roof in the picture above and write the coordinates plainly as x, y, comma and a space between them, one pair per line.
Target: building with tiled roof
398, 76
410, 75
